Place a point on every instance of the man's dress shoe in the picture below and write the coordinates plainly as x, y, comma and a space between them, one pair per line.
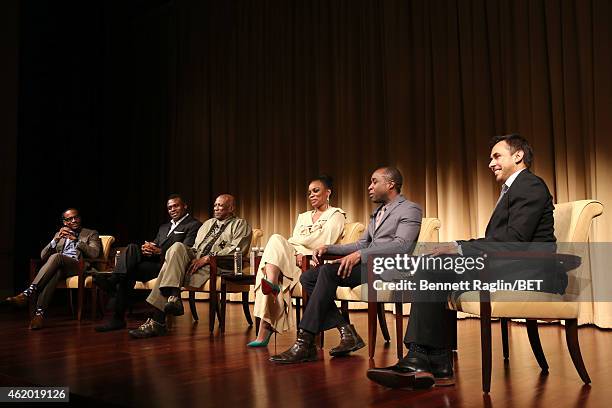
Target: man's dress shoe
413, 371
174, 306
304, 349
36, 323
19, 300
150, 328
349, 341
442, 368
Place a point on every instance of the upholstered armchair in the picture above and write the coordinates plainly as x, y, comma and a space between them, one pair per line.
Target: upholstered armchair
226, 284
572, 224
82, 281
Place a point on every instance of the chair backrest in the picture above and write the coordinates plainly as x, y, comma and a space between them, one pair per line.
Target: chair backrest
430, 230
256, 237
107, 243
352, 232
573, 219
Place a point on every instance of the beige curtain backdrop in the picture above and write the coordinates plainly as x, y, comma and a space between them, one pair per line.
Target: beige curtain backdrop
269, 94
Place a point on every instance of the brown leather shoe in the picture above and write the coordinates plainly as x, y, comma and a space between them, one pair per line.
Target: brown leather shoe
303, 350
19, 300
349, 341
36, 323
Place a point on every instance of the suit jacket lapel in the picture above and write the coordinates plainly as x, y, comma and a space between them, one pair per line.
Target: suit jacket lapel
504, 203
164, 232
60, 245
388, 212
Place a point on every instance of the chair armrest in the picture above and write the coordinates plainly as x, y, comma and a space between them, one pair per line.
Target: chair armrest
306, 260
565, 261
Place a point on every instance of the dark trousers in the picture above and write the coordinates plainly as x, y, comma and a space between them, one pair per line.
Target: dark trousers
321, 283
432, 324
55, 268
133, 266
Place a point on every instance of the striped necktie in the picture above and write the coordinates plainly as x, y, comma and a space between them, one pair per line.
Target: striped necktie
503, 191
379, 216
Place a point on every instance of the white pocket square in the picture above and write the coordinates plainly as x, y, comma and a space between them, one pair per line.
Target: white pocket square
179, 232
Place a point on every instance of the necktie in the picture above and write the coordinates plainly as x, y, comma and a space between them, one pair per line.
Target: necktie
503, 191
379, 216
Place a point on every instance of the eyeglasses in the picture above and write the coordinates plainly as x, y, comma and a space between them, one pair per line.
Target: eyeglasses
73, 218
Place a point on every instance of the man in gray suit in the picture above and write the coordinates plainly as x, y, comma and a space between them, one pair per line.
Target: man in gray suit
394, 228
61, 259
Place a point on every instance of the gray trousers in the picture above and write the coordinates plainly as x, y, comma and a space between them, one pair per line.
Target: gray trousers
57, 267
172, 273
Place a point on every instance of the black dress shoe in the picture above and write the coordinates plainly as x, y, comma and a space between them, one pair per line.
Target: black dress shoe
303, 350
150, 328
442, 367
412, 371
349, 341
113, 324
174, 306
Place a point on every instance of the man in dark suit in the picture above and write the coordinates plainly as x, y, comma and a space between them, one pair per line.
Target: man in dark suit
394, 228
143, 262
523, 214
61, 260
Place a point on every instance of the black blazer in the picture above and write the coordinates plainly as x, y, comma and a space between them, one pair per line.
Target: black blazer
524, 214
185, 232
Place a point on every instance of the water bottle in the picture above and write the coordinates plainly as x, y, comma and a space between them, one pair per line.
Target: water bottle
252, 256
117, 255
237, 262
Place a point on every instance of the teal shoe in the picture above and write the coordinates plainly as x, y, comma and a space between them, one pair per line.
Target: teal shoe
262, 343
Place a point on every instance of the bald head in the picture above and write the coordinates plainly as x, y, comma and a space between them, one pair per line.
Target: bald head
224, 206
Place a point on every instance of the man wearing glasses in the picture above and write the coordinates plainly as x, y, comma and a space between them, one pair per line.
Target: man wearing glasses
61, 260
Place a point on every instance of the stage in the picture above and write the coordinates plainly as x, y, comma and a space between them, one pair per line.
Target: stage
191, 367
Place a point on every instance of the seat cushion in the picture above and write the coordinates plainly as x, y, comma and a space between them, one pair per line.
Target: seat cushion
73, 282
536, 305
360, 294
148, 285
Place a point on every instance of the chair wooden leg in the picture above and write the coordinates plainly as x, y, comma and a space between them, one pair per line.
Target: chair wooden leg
504, 335
213, 302
71, 303
298, 312
344, 309
94, 303
322, 339
80, 297
536, 346
246, 309
485, 344
222, 308
571, 337
380, 310
372, 329
399, 328
192, 306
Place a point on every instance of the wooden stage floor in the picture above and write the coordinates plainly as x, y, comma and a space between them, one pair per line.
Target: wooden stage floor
191, 367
